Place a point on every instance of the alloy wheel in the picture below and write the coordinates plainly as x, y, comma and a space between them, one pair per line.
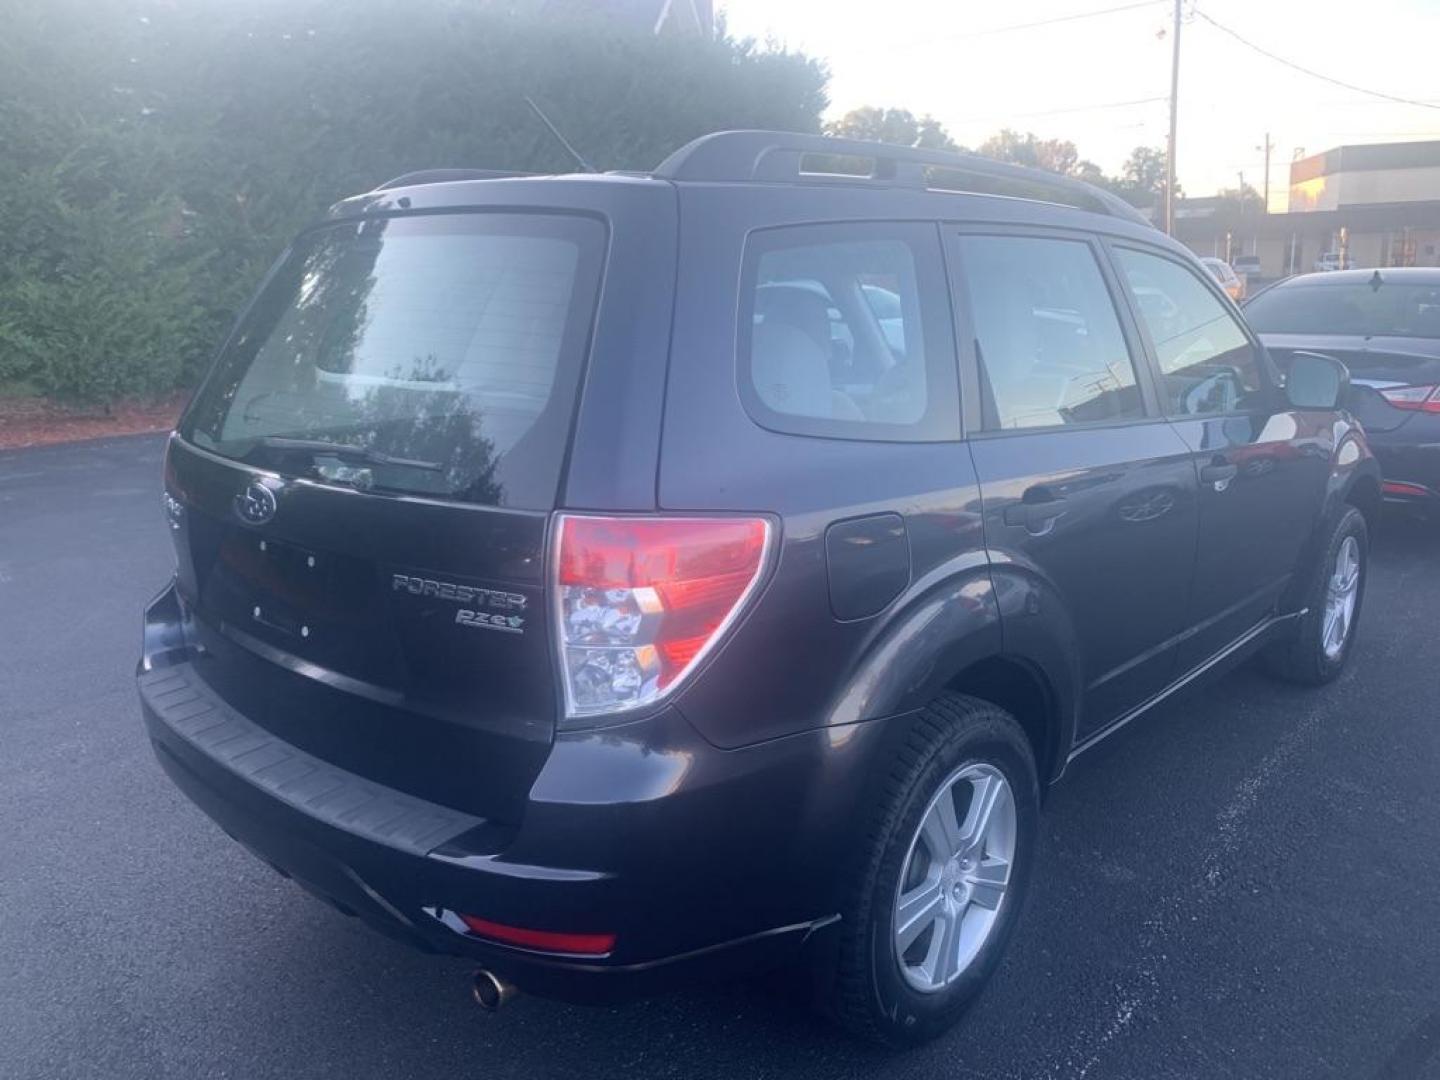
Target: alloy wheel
954, 877
1341, 593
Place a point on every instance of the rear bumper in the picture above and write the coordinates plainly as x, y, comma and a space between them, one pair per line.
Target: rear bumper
702, 862
1409, 458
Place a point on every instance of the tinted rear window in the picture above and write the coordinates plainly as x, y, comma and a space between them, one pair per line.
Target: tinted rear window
1360, 309
439, 355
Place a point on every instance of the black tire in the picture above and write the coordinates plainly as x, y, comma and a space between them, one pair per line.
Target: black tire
1300, 657
869, 996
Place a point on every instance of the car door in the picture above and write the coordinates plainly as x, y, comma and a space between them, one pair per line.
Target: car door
1088, 495
1261, 465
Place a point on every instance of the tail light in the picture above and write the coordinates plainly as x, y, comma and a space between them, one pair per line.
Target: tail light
1414, 398
640, 601
172, 506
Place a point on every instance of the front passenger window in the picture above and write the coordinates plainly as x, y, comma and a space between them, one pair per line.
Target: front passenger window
1208, 366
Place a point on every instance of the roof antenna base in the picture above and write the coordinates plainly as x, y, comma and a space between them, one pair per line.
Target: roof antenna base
585, 166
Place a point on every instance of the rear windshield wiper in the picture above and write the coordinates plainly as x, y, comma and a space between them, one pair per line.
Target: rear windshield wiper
345, 452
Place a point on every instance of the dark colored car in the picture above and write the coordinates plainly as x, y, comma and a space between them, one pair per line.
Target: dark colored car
1384, 326
622, 579
1248, 268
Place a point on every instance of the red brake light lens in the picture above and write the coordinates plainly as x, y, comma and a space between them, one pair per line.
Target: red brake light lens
546, 940
641, 600
1400, 487
1414, 398
170, 493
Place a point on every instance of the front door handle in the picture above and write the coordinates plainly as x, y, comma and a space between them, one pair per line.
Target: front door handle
1036, 511
1219, 473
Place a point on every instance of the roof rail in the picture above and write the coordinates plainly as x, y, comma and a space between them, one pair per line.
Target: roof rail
781, 157
445, 176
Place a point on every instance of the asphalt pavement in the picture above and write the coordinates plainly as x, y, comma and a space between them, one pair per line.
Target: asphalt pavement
1244, 884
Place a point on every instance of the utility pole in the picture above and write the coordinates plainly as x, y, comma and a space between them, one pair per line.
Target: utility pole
1267, 148
1241, 175
1170, 147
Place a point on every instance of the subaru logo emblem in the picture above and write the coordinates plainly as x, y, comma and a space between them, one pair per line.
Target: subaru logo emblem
255, 505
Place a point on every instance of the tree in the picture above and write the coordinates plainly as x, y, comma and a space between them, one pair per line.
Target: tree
1144, 169
1142, 178
1241, 196
1054, 155
899, 127
158, 155
933, 136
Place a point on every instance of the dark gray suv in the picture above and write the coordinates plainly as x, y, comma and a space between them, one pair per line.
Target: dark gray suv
618, 579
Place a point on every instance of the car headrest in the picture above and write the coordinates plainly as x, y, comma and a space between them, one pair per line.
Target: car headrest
801, 307
790, 371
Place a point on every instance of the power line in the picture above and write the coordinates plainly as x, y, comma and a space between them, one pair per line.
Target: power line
1429, 133
1351, 103
966, 35
1308, 71
1058, 112
1058, 19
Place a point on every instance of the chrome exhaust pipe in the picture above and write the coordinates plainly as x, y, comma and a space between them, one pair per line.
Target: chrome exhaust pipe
491, 992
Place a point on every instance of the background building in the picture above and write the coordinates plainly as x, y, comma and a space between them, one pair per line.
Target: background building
1377, 203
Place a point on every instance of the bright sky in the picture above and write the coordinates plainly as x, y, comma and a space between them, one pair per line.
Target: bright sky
953, 59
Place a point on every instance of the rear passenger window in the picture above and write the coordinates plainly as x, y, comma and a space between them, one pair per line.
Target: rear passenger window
1048, 339
845, 332
1207, 364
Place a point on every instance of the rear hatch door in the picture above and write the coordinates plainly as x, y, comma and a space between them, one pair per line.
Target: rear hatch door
367, 477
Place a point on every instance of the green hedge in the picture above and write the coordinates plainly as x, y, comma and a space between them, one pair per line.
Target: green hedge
155, 156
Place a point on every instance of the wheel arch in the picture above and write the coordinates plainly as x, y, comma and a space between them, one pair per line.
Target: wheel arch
999, 633
1354, 478
1021, 688
1364, 493
1354, 481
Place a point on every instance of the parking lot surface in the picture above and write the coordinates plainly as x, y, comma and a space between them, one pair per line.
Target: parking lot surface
1244, 884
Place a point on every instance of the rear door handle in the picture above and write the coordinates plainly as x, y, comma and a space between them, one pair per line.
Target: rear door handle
1219, 473
1036, 511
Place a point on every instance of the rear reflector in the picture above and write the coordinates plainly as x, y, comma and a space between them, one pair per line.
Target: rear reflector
1414, 398
1399, 487
641, 600
546, 940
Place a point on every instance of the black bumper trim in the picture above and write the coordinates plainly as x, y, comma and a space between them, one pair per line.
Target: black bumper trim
329, 795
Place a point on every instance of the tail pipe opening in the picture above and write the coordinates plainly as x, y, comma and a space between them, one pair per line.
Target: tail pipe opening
491, 992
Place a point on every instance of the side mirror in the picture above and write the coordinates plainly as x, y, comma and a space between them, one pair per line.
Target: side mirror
1316, 381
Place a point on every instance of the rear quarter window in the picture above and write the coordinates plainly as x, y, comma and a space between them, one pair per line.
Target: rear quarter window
845, 333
